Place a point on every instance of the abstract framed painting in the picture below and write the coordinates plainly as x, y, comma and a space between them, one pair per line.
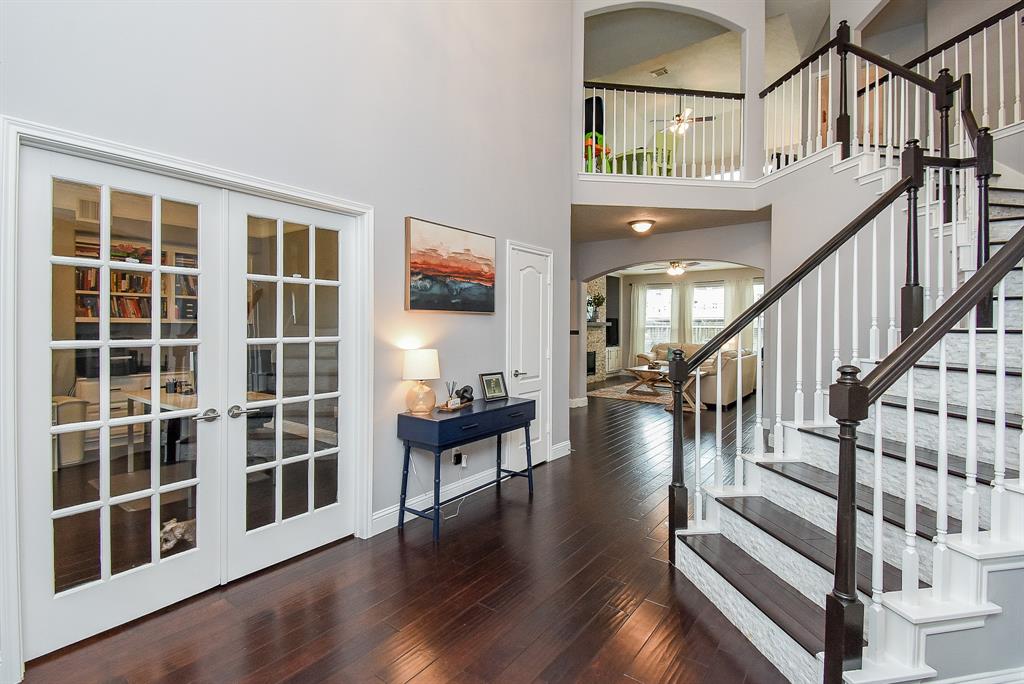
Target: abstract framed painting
448, 269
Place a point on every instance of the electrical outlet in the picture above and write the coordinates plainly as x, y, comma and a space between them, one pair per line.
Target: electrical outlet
457, 458
465, 461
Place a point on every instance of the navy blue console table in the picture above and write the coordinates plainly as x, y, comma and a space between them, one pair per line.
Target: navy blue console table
439, 431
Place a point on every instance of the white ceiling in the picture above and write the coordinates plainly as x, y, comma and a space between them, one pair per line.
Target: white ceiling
593, 222
656, 267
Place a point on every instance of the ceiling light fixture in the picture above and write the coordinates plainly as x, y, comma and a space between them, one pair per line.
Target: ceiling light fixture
676, 268
641, 226
660, 71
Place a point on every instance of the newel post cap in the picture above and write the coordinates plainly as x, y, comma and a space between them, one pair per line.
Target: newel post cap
677, 367
847, 396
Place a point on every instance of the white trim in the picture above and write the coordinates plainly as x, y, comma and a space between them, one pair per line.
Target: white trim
548, 254
578, 402
14, 133
387, 518
998, 677
561, 449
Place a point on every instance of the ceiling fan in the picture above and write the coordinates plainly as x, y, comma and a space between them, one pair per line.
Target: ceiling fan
680, 123
674, 267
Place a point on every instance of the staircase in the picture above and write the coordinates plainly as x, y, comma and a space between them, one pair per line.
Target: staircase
883, 546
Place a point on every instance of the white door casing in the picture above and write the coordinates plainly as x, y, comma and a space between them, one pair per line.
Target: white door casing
528, 362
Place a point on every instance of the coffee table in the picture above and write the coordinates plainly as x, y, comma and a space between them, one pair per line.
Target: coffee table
646, 379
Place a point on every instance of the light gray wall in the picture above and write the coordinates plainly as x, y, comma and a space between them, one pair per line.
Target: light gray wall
406, 106
947, 18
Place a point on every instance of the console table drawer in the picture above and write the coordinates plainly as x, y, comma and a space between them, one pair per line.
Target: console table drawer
520, 413
465, 427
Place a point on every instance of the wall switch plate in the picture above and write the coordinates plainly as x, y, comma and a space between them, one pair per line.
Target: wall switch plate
458, 459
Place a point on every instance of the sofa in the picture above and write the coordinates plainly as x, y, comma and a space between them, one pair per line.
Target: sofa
709, 382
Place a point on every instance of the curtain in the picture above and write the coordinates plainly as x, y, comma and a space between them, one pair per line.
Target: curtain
684, 312
739, 295
678, 331
637, 321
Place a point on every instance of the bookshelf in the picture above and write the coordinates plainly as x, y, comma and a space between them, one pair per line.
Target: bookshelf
131, 292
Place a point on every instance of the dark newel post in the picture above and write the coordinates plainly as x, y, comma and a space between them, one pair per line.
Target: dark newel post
983, 153
844, 613
912, 294
843, 120
944, 89
677, 496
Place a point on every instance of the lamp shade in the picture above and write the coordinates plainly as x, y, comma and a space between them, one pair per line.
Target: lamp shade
421, 364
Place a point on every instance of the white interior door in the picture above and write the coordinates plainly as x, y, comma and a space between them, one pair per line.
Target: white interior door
118, 332
291, 461
529, 344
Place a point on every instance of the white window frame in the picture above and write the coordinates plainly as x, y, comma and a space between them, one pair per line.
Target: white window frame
693, 321
671, 315
18, 133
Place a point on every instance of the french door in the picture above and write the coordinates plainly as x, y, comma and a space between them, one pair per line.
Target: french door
182, 385
119, 296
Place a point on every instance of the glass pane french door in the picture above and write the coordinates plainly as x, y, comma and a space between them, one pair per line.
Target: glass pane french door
119, 296
290, 478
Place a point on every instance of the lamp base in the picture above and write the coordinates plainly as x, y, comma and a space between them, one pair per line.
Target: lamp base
420, 398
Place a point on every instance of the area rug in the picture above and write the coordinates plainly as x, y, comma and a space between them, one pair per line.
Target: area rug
619, 392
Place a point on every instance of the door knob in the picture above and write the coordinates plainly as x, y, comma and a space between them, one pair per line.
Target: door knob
237, 411
207, 415
517, 373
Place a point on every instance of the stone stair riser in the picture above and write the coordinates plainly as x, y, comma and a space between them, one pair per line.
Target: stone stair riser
820, 510
926, 387
985, 350
1006, 196
1004, 229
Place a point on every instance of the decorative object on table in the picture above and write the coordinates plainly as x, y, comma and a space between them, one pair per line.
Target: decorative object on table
448, 269
420, 365
493, 385
465, 394
174, 531
453, 401
594, 303
172, 386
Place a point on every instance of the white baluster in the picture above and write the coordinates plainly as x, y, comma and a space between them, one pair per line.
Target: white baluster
930, 143
714, 121
698, 507
804, 150
737, 464
927, 269
819, 392
874, 350
854, 135
779, 433
732, 139
635, 165
970, 516
703, 139
798, 392
876, 619
768, 105
940, 579
888, 115
615, 131
940, 276
828, 113
876, 124
818, 124
759, 396
867, 99
892, 338
648, 170
810, 111
1002, 86
984, 77
911, 564
855, 312
794, 119
999, 481
718, 420
739, 127
1016, 66
682, 136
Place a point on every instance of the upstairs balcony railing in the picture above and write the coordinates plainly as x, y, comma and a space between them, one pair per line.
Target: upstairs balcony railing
662, 132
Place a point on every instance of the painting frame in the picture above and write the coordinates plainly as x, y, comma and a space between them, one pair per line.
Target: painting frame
489, 390
432, 292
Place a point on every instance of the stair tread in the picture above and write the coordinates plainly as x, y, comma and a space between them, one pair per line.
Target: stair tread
927, 458
893, 507
791, 611
807, 539
1013, 420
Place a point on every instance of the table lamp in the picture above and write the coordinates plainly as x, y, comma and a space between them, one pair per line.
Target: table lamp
420, 365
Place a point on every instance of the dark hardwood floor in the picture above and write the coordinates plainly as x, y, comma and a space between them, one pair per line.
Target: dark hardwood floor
572, 585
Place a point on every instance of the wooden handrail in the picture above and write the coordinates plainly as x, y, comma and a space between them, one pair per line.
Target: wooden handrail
802, 271
795, 70
665, 91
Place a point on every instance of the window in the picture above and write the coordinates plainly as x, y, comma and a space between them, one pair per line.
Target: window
708, 311
759, 322
658, 318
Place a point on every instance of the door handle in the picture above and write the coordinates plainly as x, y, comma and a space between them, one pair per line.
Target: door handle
237, 411
207, 415
517, 373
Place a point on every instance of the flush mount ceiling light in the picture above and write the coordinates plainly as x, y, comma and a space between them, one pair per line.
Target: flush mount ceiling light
641, 226
660, 71
676, 268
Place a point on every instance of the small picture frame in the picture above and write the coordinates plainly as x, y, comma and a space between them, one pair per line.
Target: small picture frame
493, 386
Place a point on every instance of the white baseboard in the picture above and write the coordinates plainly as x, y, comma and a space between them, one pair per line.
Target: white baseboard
578, 402
387, 518
560, 449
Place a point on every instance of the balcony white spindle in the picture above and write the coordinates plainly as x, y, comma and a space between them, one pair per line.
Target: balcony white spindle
737, 463
732, 138
874, 350
868, 126
911, 561
648, 169
794, 118
1002, 78
805, 146
661, 131
769, 110
970, 516
892, 339
917, 109
876, 619
615, 132
759, 396
819, 392
1016, 66
940, 262
798, 391
926, 270
904, 118
718, 420
698, 508
876, 124
828, 112
855, 137
635, 105
999, 481
888, 115
984, 77
930, 113
682, 136
739, 145
855, 296
713, 120
940, 578
818, 123
836, 363
779, 433
703, 138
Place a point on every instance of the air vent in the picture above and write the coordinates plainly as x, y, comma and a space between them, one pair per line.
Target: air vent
660, 71
88, 210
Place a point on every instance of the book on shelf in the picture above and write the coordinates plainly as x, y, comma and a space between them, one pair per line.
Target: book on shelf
186, 285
